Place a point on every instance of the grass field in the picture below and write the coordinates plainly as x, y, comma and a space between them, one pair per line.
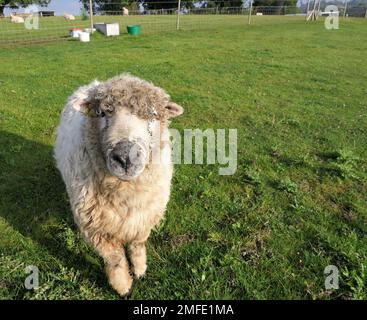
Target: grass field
296, 93
52, 28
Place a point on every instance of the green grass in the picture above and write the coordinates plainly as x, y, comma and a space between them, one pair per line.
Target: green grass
297, 203
55, 28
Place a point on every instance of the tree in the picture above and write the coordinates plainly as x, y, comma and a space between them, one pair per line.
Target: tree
116, 5
263, 3
109, 6
166, 4
160, 4
277, 4
222, 4
17, 4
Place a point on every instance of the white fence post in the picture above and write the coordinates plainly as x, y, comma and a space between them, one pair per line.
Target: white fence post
250, 12
308, 9
178, 15
345, 8
91, 15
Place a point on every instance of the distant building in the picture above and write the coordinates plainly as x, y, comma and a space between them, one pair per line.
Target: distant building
46, 13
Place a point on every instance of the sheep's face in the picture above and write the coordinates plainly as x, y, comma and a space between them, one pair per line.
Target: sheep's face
127, 115
125, 141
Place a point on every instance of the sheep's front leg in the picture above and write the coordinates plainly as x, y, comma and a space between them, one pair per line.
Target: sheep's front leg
117, 267
138, 257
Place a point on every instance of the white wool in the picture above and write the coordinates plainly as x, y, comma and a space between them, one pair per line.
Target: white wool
108, 211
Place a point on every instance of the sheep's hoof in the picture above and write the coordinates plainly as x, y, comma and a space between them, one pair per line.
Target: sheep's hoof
122, 286
120, 281
139, 271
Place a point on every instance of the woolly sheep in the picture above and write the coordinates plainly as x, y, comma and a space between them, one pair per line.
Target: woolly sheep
106, 149
69, 16
16, 19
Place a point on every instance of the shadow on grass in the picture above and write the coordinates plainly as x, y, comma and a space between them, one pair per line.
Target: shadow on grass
34, 202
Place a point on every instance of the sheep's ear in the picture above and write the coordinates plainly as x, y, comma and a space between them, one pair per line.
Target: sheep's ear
174, 110
82, 98
81, 103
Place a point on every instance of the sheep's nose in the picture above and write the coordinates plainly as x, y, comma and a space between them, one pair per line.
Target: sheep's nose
126, 154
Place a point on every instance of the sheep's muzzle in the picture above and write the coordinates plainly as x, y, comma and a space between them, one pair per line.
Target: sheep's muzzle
127, 159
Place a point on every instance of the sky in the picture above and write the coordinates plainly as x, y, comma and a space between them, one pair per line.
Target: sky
60, 6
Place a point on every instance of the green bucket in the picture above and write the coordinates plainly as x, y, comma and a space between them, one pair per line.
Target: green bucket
134, 29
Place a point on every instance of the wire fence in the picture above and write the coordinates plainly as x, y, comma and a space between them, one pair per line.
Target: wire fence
38, 25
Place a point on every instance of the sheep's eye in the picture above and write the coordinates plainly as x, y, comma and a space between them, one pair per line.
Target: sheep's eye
110, 109
100, 113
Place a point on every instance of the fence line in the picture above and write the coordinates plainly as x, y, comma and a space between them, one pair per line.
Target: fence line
153, 20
